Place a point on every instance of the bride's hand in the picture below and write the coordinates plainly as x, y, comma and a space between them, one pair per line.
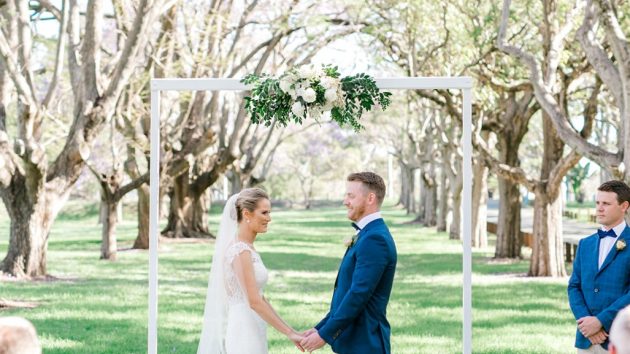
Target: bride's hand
296, 338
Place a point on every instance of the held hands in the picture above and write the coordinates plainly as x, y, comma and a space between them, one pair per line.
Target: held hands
296, 338
589, 325
599, 337
312, 341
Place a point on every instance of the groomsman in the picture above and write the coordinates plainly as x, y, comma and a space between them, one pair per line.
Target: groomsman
600, 284
620, 333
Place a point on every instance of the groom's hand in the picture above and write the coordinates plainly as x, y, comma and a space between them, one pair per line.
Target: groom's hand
589, 325
308, 332
312, 342
599, 337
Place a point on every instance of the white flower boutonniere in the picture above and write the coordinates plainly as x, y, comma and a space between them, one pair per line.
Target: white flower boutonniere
621, 244
349, 242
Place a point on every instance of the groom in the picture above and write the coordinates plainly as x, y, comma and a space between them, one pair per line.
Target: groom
600, 284
356, 322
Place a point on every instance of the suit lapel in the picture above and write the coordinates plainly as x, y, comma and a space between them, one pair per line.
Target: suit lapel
613, 251
342, 259
371, 224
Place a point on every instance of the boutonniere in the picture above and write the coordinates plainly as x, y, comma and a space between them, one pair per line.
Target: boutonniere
349, 242
621, 244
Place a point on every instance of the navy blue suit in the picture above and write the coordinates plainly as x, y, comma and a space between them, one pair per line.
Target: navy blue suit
599, 292
356, 323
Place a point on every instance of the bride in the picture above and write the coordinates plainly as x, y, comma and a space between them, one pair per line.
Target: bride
236, 312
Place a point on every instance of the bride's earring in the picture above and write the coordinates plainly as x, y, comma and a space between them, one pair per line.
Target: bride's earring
247, 221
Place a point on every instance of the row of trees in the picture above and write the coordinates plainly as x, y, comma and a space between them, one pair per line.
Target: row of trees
563, 63
560, 64
102, 63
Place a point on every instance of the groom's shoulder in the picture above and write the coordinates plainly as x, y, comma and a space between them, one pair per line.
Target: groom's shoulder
378, 227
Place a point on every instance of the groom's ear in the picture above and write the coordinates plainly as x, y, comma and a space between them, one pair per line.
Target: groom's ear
372, 198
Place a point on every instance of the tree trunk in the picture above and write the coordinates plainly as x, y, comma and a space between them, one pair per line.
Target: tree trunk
430, 197
187, 212
144, 204
455, 230
480, 205
29, 230
108, 233
547, 258
406, 183
236, 181
509, 223
443, 210
422, 192
201, 204
547, 251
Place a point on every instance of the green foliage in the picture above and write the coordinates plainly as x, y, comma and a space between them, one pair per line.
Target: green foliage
361, 93
576, 177
267, 102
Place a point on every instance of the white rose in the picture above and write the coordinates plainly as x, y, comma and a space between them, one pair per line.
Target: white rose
297, 109
329, 83
306, 71
309, 95
285, 85
292, 93
330, 95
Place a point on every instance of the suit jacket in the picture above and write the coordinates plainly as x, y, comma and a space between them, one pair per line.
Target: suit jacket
357, 320
599, 292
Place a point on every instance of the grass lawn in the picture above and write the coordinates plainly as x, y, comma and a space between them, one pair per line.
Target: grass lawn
101, 307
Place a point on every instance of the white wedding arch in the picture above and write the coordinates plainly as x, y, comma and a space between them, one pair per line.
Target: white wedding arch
407, 83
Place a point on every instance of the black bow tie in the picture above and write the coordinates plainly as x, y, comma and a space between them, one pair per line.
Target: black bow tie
356, 227
609, 233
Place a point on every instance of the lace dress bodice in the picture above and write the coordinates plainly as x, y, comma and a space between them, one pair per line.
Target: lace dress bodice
235, 293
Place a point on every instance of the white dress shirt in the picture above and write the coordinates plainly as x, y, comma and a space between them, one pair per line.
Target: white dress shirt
606, 243
368, 219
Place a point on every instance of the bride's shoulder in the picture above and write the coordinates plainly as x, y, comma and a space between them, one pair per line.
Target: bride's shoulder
237, 248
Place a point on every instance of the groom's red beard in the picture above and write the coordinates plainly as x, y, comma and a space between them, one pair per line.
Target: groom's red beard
356, 212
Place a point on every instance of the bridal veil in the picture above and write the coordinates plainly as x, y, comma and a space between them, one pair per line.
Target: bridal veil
215, 312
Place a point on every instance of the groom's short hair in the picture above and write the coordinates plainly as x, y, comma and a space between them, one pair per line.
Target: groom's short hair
373, 182
620, 331
618, 187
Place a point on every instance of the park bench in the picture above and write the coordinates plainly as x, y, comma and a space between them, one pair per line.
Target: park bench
570, 246
527, 239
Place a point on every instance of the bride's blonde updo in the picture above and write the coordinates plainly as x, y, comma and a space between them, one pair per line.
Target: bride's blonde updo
248, 199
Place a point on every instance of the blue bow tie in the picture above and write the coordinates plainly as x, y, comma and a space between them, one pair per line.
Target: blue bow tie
609, 233
356, 227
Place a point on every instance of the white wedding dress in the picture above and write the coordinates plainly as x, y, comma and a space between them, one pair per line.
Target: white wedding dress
230, 326
246, 332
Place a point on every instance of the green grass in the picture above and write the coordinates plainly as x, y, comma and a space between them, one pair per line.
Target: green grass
101, 307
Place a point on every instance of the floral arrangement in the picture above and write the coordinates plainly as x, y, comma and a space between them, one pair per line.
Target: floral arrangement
311, 92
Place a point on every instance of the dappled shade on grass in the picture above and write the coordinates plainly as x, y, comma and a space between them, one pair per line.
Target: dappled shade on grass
103, 308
